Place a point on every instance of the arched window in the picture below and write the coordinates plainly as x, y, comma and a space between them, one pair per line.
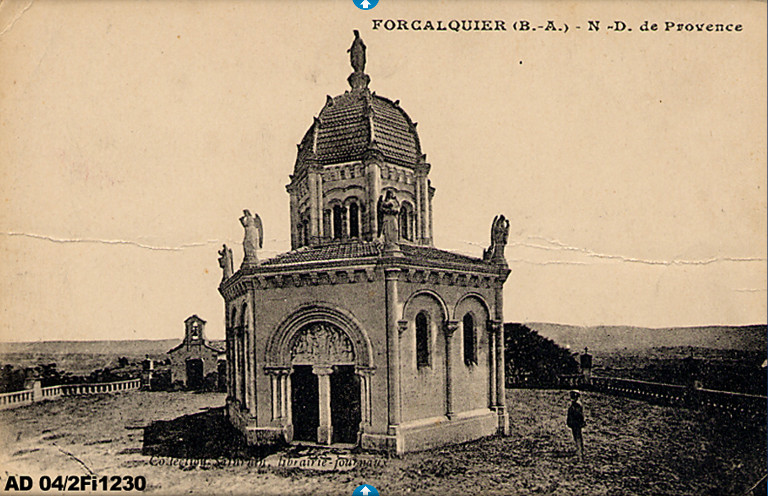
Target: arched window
404, 223
422, 340
354, 220
304, 233
337, 220
326, 223
470, 355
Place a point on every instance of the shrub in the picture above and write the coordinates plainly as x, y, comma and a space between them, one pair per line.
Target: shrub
533, 360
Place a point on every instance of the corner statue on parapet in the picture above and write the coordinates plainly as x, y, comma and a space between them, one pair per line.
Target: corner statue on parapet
357, 53
253, 240
388, 210
499, 236
225, 262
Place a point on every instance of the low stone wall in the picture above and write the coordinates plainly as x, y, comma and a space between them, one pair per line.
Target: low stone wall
105, 387
17, 398
562, 381
672, 394
38, 393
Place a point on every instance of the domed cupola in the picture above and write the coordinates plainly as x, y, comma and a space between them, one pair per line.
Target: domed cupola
359, 145
359, 122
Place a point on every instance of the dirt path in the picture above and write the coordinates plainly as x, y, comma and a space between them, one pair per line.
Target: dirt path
632, 448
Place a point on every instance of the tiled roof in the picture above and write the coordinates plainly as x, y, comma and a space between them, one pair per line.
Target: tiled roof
394, 131
342, 132
438, 255
370, 250
334, 251
205, 345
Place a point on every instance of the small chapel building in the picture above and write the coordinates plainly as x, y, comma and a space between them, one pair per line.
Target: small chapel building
194, 360
364, 333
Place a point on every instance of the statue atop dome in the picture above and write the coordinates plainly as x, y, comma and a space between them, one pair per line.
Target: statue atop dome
358, 80
357, 53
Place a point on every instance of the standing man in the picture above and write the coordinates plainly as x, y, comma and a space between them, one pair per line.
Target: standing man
575, 421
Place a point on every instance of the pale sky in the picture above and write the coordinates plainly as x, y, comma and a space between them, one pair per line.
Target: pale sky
632, 166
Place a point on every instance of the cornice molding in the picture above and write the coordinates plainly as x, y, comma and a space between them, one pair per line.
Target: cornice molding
291, 276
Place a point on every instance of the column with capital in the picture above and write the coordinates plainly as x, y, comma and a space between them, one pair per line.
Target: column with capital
450, 328
231, 364
325, 427
364, 375
319, 211
294, 202
498, 334
430, 195
278, 379
250, 355
327, 226
275, 387
287, 406
422, 202
313, 177
501, 389
417, 235
373, 189
391, 276
284, 391
286, 414
237, 333
247, 365
492, 362
228, 349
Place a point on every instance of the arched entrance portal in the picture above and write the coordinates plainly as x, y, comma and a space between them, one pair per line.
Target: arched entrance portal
325, 398
319, 360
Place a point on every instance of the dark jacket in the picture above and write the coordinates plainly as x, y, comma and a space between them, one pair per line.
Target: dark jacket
575, 417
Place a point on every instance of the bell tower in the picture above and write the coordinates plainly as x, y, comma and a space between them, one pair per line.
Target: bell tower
194, 328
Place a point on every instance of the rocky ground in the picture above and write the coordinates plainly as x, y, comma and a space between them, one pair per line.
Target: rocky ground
633, 448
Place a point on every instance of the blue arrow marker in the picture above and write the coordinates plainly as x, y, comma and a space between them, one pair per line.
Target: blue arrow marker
365, 490
365, 5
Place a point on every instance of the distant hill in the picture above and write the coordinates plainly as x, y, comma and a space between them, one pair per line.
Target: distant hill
138, 348
127, 348
83, 357
613, 338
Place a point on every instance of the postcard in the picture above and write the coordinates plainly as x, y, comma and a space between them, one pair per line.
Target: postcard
383, 247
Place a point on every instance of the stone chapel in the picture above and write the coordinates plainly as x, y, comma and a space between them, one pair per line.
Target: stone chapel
194, 358
364, 333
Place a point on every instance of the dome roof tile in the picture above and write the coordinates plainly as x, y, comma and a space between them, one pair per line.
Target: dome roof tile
352, 123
